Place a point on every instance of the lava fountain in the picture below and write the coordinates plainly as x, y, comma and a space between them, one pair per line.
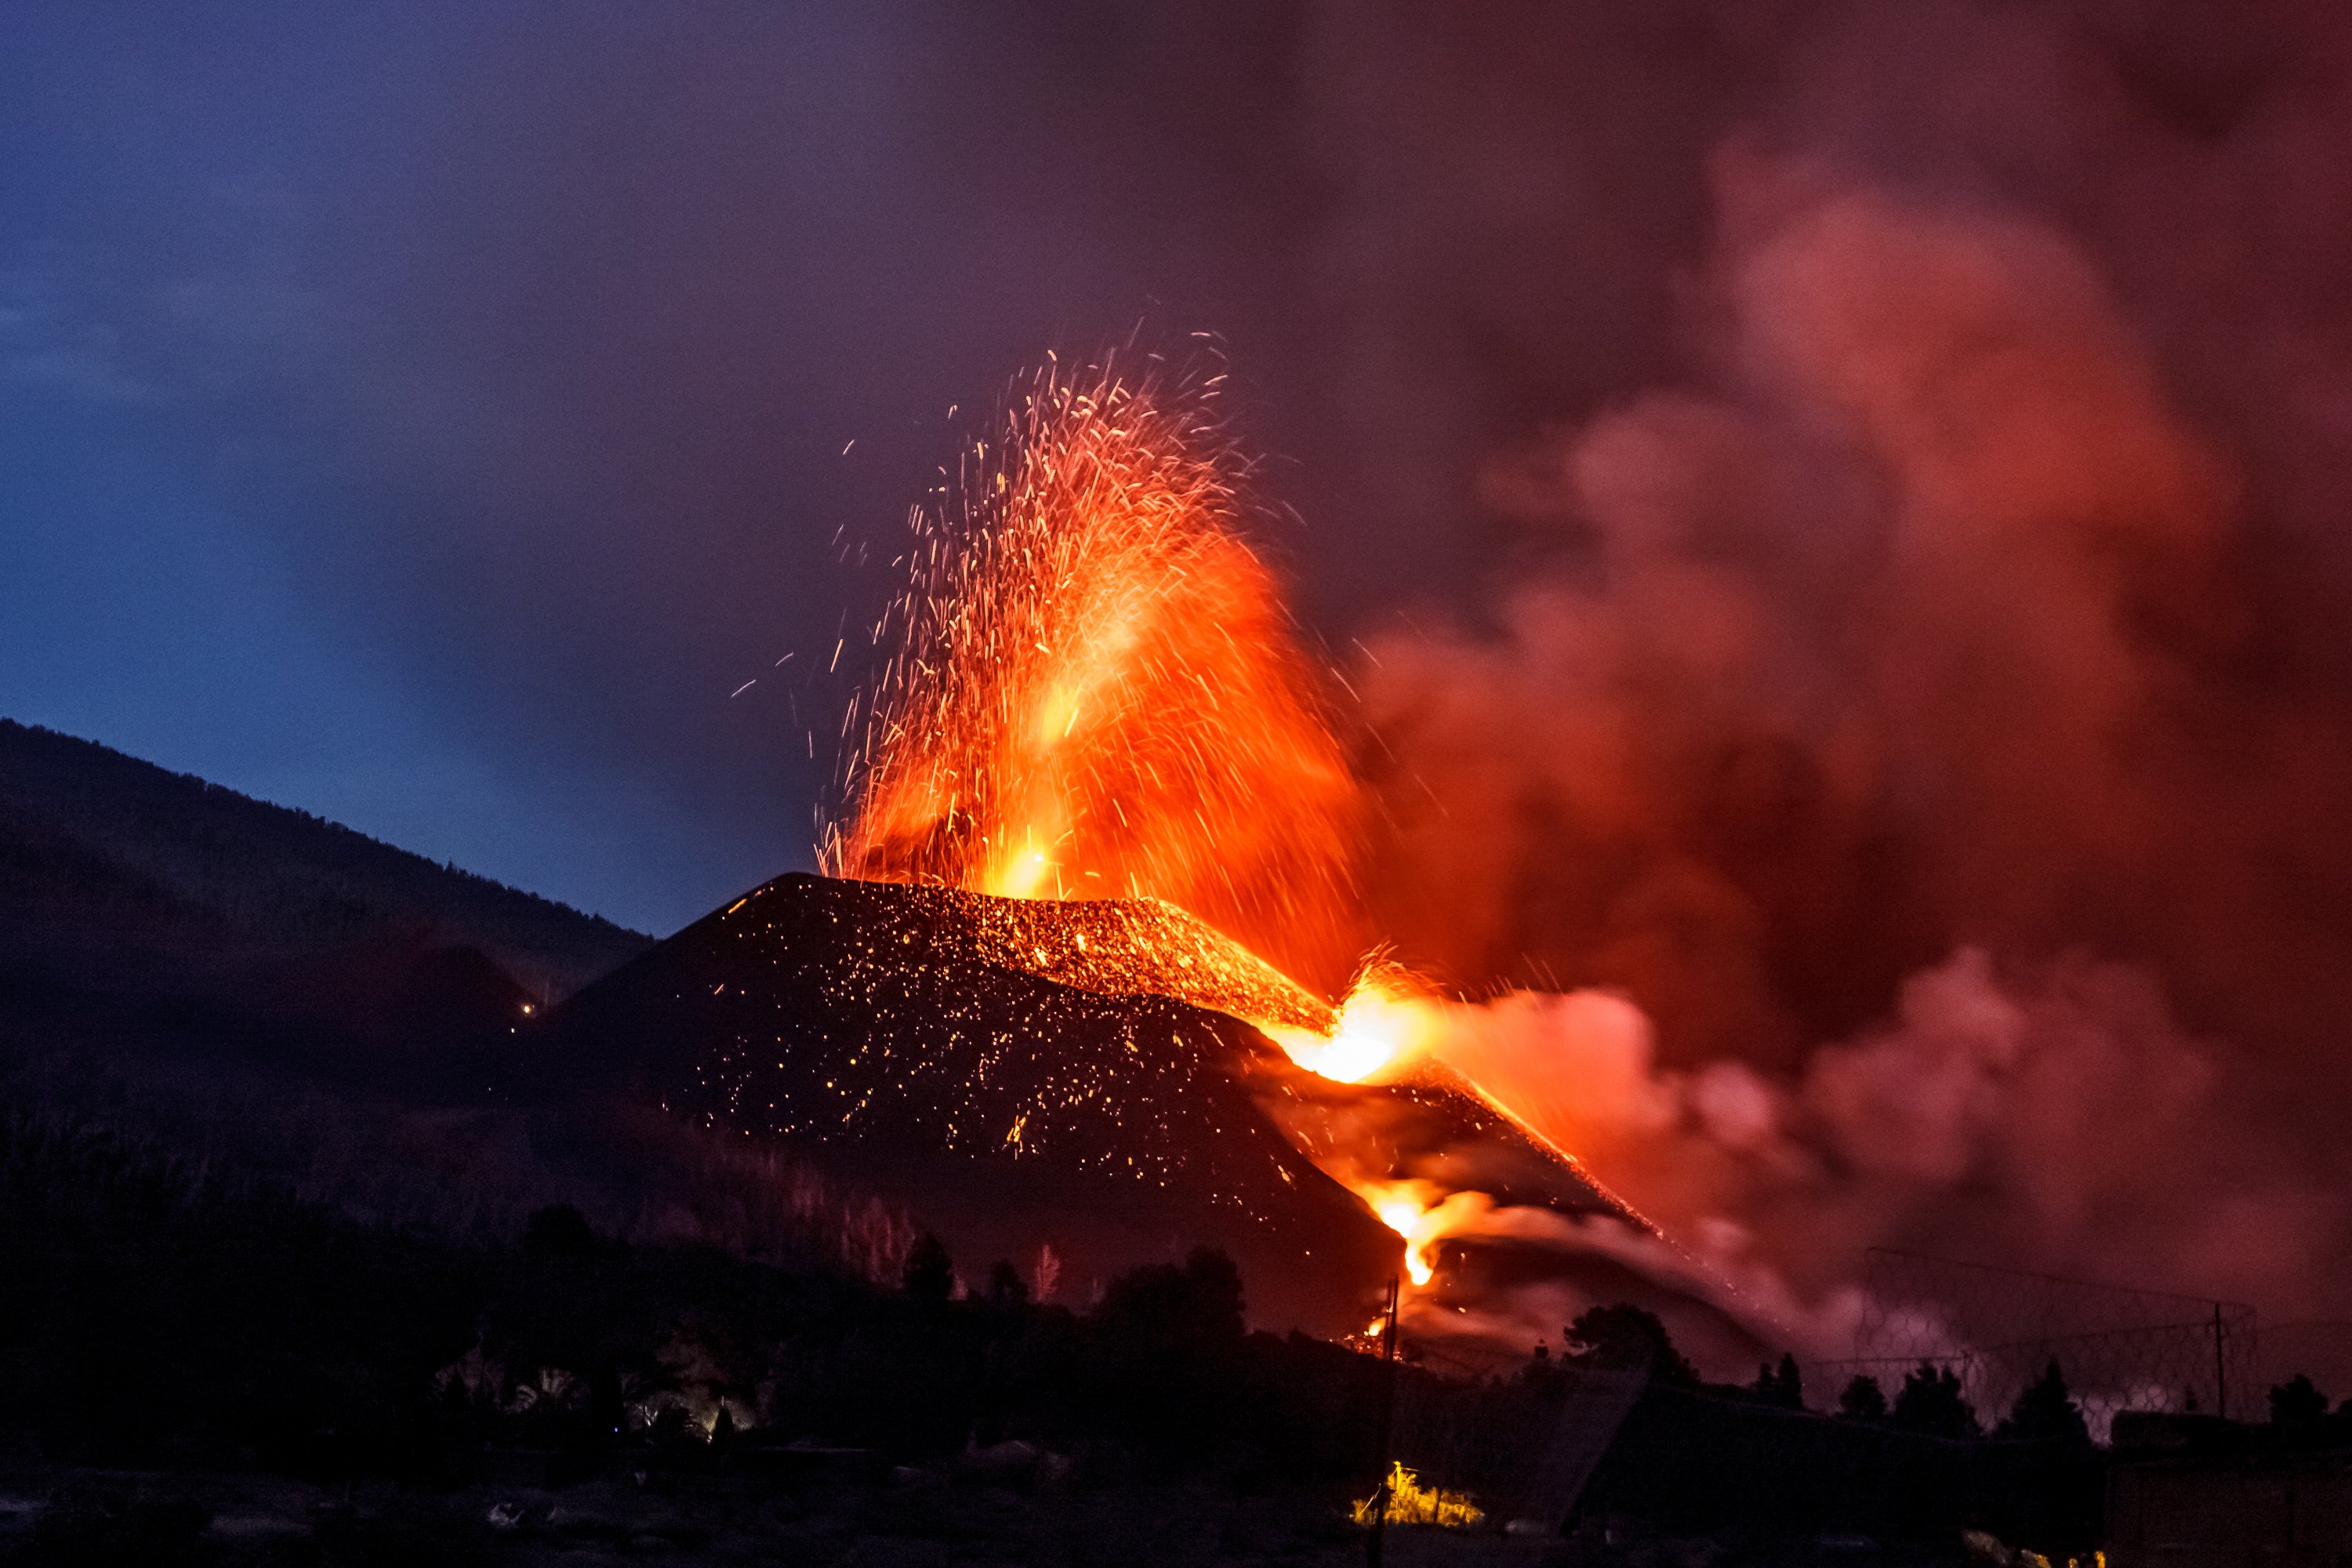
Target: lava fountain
1095, 692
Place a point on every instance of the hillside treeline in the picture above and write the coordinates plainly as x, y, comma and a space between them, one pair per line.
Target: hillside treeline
161, 1312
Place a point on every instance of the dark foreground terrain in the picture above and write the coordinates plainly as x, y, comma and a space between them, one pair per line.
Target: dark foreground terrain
912, 1520
919, 1521
314, 1250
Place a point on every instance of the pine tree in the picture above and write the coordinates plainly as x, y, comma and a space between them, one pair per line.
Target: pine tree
930, 1275
2298, 1402
1863, 1400
1623, 1336
1931, 1403
1005, 1286
1782, 1386
2045, 1412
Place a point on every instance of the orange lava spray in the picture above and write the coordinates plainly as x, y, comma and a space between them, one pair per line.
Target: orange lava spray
1096, 691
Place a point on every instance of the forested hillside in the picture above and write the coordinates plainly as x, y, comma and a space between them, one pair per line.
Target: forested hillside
114, 872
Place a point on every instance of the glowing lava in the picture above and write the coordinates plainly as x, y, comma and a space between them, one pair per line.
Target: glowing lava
1096, 691
1385, 1022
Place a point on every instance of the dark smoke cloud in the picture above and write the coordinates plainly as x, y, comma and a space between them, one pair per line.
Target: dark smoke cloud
1917, 688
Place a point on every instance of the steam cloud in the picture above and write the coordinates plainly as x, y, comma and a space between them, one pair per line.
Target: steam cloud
1872, 716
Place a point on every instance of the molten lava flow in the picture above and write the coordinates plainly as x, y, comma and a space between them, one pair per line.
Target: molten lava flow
1386, 1020
1409, 1208
1097, 692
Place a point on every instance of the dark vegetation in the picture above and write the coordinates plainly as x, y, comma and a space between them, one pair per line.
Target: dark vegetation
165, 1315
1756, 1463
159, 1314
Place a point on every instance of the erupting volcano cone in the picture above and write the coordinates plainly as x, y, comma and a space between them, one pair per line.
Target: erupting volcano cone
1010, 1112
1029, 1074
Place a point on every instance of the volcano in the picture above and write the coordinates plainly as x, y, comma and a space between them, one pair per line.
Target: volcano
1073, 1078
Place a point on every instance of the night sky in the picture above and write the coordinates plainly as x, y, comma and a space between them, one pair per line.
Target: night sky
427, 416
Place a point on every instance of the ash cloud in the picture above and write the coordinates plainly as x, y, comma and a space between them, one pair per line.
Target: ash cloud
2052, 1117
1887, 642
1914, 689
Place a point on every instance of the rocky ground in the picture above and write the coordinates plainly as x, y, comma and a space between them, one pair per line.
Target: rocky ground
54, 1518
152, 1518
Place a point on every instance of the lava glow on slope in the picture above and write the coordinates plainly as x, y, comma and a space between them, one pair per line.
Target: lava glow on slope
1097, 694
1384, 1022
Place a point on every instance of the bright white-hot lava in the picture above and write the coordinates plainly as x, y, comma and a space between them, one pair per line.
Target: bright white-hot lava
1386, 1020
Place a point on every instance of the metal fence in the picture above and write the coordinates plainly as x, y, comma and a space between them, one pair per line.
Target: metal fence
1998, 1330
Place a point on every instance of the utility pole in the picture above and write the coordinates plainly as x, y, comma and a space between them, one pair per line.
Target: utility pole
2220, 1369
1387, 1421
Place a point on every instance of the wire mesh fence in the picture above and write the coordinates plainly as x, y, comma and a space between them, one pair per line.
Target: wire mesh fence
1530, 1436
1998, 1330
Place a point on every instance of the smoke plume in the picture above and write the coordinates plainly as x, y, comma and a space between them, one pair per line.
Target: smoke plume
1869, 720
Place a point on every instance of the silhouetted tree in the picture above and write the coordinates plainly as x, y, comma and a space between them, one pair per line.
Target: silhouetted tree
1005, 1285
2045, 1412
1161, 1304
1627, 1336
1782, 1386
559, 1231
1930, 1402
1863, 1400
2298, 1402
930, 1274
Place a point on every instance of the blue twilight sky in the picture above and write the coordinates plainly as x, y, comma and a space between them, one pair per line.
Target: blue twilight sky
428, 414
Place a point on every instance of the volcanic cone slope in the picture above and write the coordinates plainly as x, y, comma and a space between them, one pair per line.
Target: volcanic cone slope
889, 1025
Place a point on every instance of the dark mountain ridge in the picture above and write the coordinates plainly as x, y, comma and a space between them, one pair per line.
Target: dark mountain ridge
120, 879
229, 985
1069, 1086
